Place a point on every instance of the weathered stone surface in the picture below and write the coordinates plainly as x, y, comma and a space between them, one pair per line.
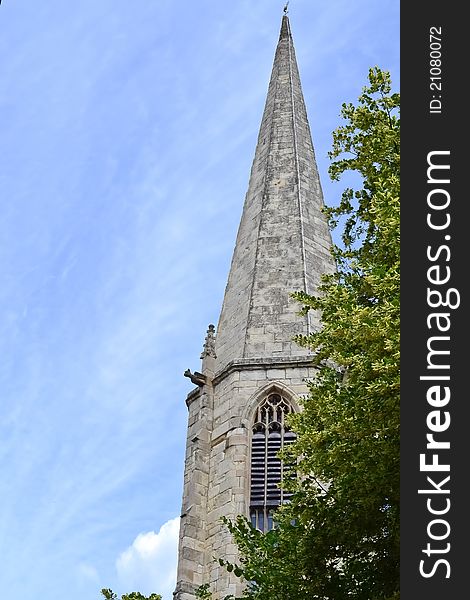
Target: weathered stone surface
283, 242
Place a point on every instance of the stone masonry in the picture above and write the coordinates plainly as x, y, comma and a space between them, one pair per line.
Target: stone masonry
283, 245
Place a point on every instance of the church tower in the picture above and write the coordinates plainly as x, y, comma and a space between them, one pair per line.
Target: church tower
252, 372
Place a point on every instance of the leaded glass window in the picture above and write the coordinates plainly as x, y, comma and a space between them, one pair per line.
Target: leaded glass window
270, 435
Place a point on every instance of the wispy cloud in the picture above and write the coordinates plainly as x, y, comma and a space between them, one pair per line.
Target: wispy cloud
88, 573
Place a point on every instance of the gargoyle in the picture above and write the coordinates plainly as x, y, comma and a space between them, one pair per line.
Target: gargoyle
196, 377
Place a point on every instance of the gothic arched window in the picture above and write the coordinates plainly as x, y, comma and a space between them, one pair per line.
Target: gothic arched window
270, 434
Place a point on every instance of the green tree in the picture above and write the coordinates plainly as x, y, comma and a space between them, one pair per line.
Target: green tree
110, 595
339, 537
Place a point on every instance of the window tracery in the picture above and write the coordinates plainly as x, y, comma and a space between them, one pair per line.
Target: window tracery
270, 435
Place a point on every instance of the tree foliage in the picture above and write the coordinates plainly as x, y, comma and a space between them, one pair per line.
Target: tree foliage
338, 539
110, 595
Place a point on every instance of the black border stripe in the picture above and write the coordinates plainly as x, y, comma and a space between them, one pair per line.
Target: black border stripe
424, 132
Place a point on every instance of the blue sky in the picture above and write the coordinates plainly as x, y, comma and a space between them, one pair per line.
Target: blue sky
127, 131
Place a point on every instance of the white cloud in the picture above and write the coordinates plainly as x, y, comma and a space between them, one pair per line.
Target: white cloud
149, 564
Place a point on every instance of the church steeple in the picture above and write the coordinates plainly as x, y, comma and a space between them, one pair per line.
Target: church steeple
283, 243
252, 372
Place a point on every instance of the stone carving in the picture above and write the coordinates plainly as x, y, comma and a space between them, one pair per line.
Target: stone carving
209, 343
196, 377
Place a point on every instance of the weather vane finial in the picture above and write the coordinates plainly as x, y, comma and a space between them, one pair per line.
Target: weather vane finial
286, 8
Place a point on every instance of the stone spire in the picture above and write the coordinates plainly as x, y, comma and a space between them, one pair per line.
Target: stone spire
283, 243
